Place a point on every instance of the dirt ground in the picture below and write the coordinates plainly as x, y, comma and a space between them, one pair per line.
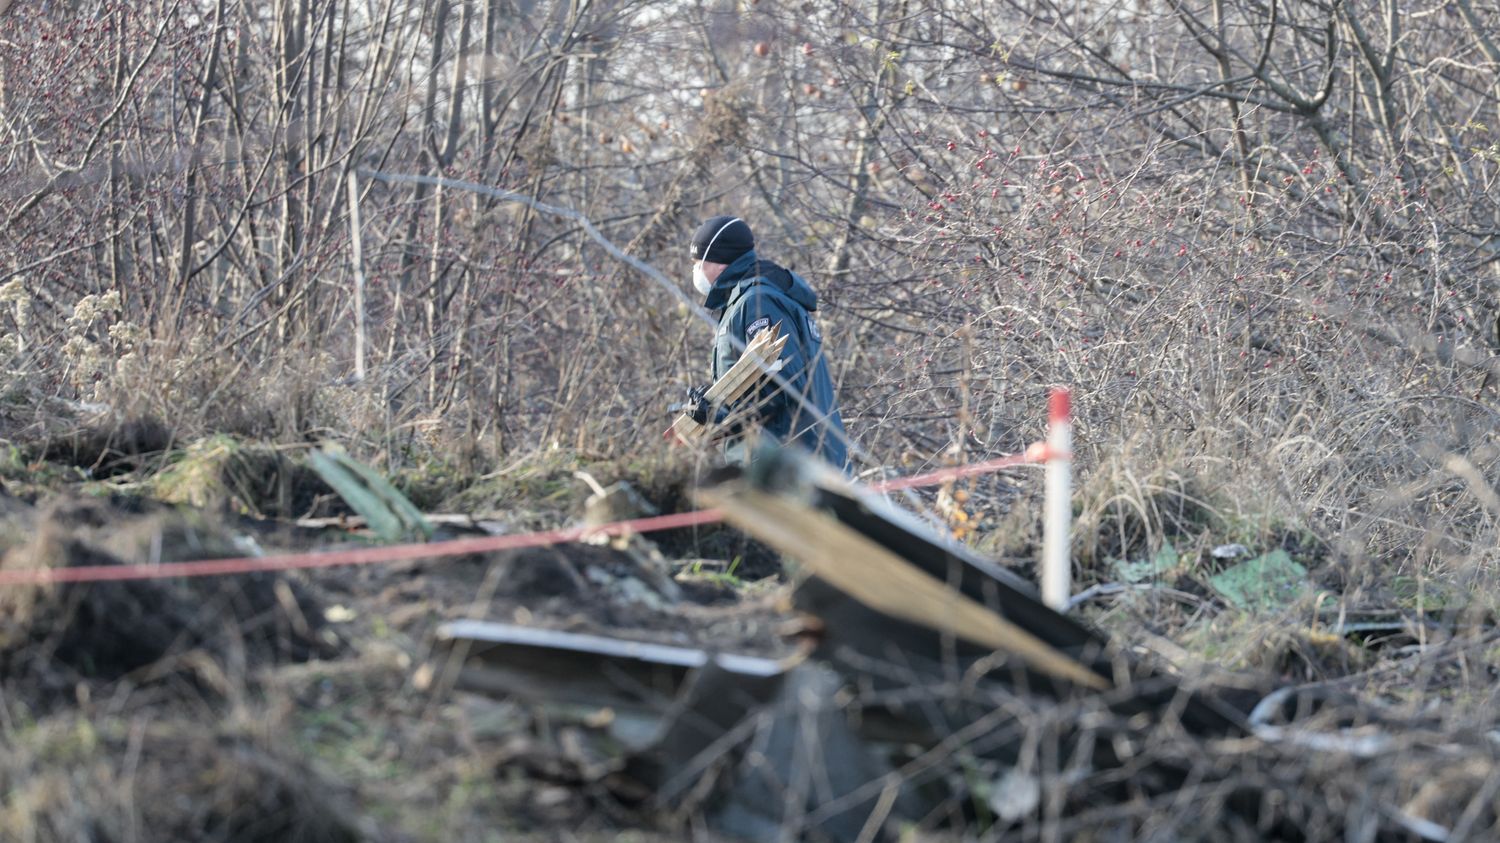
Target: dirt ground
282, 706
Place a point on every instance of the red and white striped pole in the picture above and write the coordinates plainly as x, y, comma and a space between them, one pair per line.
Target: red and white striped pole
1057, 562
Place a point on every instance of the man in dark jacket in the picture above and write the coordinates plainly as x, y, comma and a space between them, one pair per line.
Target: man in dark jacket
751, 294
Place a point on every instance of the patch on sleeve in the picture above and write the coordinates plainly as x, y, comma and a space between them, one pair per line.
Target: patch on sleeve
757, 326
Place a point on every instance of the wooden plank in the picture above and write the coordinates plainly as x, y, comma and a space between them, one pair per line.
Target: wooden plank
765, 346
863, 598
648, 689
884, 581
501, 639
688, 430
748, 373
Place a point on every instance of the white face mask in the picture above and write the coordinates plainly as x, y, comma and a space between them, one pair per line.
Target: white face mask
700, 281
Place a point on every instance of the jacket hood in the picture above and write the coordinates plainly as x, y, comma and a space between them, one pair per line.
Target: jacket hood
747, 271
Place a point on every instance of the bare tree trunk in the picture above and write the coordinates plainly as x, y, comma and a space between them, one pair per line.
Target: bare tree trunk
356, 242
292, 58
185, 269
436, 272
425, 163
873, 118
1236, 118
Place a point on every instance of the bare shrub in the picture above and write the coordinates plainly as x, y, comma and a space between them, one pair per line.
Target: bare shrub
1257, 241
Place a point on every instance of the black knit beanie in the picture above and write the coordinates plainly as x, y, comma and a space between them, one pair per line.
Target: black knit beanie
721, 239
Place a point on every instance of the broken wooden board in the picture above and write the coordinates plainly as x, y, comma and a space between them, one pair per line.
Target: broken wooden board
460, 521
888, 584
638, 681
884, 581
761, 358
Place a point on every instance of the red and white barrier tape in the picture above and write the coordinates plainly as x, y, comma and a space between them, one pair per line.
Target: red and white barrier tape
943, 475
1056, 450
352, 556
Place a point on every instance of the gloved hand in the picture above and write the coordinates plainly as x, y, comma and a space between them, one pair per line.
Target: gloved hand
699, 408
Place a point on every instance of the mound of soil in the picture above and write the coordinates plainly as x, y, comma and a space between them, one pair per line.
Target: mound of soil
671, 491
69, 779
109, 447
750, 559
253, 479
54, 637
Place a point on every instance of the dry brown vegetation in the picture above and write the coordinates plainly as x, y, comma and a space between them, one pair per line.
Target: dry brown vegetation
1260, 241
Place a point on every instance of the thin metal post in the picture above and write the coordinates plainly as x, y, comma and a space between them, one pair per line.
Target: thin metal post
1057, 562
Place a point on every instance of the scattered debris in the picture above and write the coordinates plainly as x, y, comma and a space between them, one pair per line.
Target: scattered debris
1163, 562
619, 502
901, 687
443, 523
1229, 551
386, 511
1269, 581
934, 690
652, 581
638, 682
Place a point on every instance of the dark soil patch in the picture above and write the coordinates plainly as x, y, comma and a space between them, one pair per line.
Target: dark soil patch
54, 637
111, 447
750, 559
670, 490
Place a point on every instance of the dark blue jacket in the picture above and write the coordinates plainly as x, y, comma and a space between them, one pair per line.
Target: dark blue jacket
754, 294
